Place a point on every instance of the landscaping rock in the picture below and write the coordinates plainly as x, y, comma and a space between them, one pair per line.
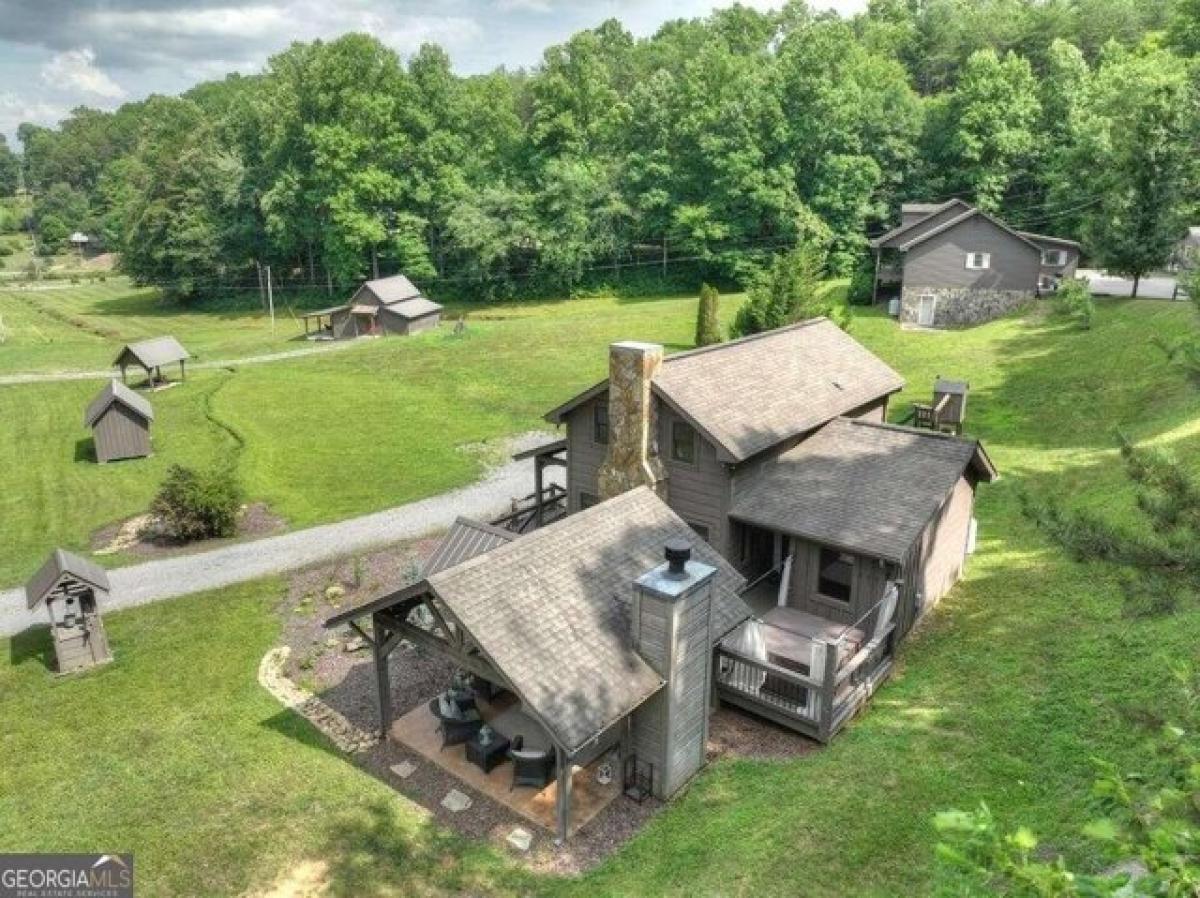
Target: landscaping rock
334, 594
456, 802
520, 839
404, 769
357, 644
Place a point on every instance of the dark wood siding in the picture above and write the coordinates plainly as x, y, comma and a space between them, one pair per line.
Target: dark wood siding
699, 492
941, 261
120, 433
870, 576
584, 456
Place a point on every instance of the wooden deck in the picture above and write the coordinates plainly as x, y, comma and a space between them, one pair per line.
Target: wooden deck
417, 730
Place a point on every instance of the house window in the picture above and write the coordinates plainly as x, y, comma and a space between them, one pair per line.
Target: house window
979, 261
700, 529
683, 442
1047, 283
1054, 258
600, 423
835, 573
587, 500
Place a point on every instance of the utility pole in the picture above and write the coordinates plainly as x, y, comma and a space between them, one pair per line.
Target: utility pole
270, 299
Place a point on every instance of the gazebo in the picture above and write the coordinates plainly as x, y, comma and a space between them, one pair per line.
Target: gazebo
151, 356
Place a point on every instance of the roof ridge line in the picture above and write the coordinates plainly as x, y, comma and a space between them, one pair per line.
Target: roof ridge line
699, 350
905, 428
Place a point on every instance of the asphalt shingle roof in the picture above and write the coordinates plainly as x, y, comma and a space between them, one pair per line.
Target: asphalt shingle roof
859, 486
414, 308
551, 610
60, 563
751, 394
115, 391
393, 289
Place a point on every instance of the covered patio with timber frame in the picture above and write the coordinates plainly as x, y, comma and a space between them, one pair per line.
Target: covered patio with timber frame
416, 615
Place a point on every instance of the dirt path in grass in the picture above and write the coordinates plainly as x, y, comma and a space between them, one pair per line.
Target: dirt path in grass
50, 376
182, 575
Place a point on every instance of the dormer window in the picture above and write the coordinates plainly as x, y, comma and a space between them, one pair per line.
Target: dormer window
683, 442
979, 261
1054, 258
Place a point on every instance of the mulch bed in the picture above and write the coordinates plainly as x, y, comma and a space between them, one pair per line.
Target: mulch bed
256, 520
339, 669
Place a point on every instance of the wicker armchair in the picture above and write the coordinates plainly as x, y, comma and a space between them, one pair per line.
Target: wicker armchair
530, 768
456, 731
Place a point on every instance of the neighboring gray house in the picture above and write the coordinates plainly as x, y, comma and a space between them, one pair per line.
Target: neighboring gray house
952, 264
391, 305
1187, 251
120, 422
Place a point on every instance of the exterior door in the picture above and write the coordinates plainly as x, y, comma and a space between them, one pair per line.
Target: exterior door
926, 306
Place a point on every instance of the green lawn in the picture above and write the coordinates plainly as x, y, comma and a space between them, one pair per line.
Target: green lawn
61, 326
1027, 671
325, 437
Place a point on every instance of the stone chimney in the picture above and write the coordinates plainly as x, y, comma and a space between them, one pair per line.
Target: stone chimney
670, 622
632, 458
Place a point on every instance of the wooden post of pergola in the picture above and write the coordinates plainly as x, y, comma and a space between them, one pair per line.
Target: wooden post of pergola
562, 797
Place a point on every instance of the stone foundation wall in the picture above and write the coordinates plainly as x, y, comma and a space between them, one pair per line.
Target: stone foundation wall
962, 306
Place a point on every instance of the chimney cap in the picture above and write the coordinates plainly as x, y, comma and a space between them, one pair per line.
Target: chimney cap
678, 551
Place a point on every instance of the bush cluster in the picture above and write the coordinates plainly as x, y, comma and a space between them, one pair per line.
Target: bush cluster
193, 505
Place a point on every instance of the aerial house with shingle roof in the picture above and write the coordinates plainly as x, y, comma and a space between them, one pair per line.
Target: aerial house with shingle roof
775, 450
120, 422
391, 305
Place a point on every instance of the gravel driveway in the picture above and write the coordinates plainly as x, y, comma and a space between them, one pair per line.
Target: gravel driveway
185, 574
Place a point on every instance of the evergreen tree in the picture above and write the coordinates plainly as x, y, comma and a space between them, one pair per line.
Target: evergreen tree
789, 290
708, 323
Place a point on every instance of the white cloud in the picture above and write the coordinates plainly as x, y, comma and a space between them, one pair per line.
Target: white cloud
15, 109
76, 71
541, 6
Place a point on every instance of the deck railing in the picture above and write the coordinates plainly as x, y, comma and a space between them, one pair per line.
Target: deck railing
534, 510
818, 701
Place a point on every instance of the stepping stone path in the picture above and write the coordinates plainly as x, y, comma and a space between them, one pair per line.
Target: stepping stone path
456, 801
404, 769
520, 839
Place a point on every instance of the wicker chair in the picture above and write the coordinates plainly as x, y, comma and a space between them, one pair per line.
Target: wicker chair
456, 731
530, 768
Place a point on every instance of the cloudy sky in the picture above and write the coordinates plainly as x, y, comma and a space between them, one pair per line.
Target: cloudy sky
58, 54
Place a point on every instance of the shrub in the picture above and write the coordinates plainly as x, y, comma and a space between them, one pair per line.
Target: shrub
789, 290
193, 505
1074, 300
708, 322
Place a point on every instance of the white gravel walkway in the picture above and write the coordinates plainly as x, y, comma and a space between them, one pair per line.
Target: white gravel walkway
315, 349
185, 574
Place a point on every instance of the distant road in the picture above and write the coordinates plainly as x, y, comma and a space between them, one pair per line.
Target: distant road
1102, 284
168, 578
50, 376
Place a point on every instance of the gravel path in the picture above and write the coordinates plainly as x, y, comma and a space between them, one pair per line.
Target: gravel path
48, 376
185, 574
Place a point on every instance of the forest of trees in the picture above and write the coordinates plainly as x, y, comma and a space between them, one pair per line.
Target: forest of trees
715, 143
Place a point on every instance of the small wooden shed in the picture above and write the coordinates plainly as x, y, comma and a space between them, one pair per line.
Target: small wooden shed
954, 392
151, 356
120, 422
72, 589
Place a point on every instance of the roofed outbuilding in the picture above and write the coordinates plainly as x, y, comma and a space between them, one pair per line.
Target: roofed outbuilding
379, 306
72, 587
120, 422
151, 356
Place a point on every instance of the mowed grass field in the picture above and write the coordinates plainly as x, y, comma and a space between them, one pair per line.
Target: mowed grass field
58, 326
318, 438
1024, 674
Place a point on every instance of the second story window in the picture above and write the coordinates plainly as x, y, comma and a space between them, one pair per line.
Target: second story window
1054, 258
600, 423
683, 442
979, 261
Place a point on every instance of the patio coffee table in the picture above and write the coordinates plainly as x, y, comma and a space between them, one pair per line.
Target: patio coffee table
487, 757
